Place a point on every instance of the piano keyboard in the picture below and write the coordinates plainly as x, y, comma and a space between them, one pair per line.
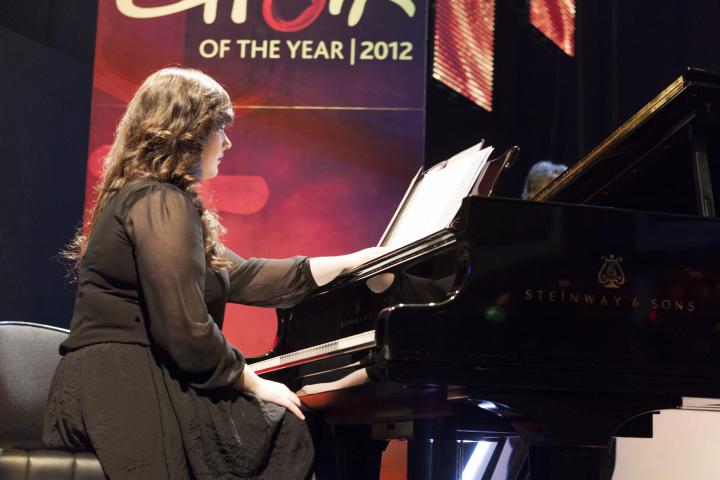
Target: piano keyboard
316, 352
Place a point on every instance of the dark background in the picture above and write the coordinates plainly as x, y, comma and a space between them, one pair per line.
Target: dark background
46, 57
553, 106
556, 107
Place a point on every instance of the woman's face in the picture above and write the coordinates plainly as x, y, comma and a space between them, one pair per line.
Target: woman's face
213, 152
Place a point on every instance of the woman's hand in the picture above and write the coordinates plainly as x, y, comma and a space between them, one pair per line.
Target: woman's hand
367, 254
325, 269
381, 282
358, 377
269, 391
316, 388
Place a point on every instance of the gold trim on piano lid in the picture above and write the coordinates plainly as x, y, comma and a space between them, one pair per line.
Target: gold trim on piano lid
625, 129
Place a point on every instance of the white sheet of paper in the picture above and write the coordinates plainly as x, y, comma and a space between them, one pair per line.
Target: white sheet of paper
438, 195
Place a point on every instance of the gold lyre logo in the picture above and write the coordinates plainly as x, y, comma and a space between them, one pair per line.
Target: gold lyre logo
611, 274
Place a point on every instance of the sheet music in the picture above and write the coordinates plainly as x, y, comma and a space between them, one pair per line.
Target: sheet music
438, 195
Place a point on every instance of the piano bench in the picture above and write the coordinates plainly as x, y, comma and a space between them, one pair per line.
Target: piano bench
49, 465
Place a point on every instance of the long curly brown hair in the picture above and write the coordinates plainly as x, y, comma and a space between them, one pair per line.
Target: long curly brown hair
161, 137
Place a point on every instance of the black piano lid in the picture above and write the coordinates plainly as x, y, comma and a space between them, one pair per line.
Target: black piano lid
611, 170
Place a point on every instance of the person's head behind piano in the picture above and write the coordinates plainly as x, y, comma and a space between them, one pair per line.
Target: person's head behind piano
539, 176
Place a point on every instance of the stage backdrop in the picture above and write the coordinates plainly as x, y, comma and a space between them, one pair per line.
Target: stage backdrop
329, 101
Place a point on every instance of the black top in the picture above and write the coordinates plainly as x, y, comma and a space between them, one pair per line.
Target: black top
144, 281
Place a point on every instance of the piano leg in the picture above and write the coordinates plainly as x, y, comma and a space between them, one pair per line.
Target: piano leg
433, 458
433, 451
346, 452
470, 443
445, 453
419, 461
450, 459
558, 463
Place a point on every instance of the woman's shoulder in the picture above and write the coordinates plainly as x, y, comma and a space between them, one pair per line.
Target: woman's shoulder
149, 191
148, 185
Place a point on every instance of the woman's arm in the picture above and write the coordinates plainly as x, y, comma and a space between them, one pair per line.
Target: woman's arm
165, 232
357, 377
285, 282
326, 269
269, 391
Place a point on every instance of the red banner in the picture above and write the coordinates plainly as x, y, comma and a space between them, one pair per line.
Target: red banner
329, 102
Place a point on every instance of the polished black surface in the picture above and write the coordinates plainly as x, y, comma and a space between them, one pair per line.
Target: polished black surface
541, 308
426, 271
570, 318
662, 159
548, 315
529, 286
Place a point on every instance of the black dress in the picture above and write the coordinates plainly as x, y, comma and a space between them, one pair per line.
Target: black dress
146, 374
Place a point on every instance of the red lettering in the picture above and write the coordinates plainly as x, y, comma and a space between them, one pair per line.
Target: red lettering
304, 20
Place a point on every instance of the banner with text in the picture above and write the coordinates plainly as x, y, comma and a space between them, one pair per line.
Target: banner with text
329, 105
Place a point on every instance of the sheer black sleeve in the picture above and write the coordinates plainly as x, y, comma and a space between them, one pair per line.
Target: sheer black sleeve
269, 282
165, 231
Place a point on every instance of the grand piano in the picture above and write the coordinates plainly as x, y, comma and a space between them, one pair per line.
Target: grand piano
549, 326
